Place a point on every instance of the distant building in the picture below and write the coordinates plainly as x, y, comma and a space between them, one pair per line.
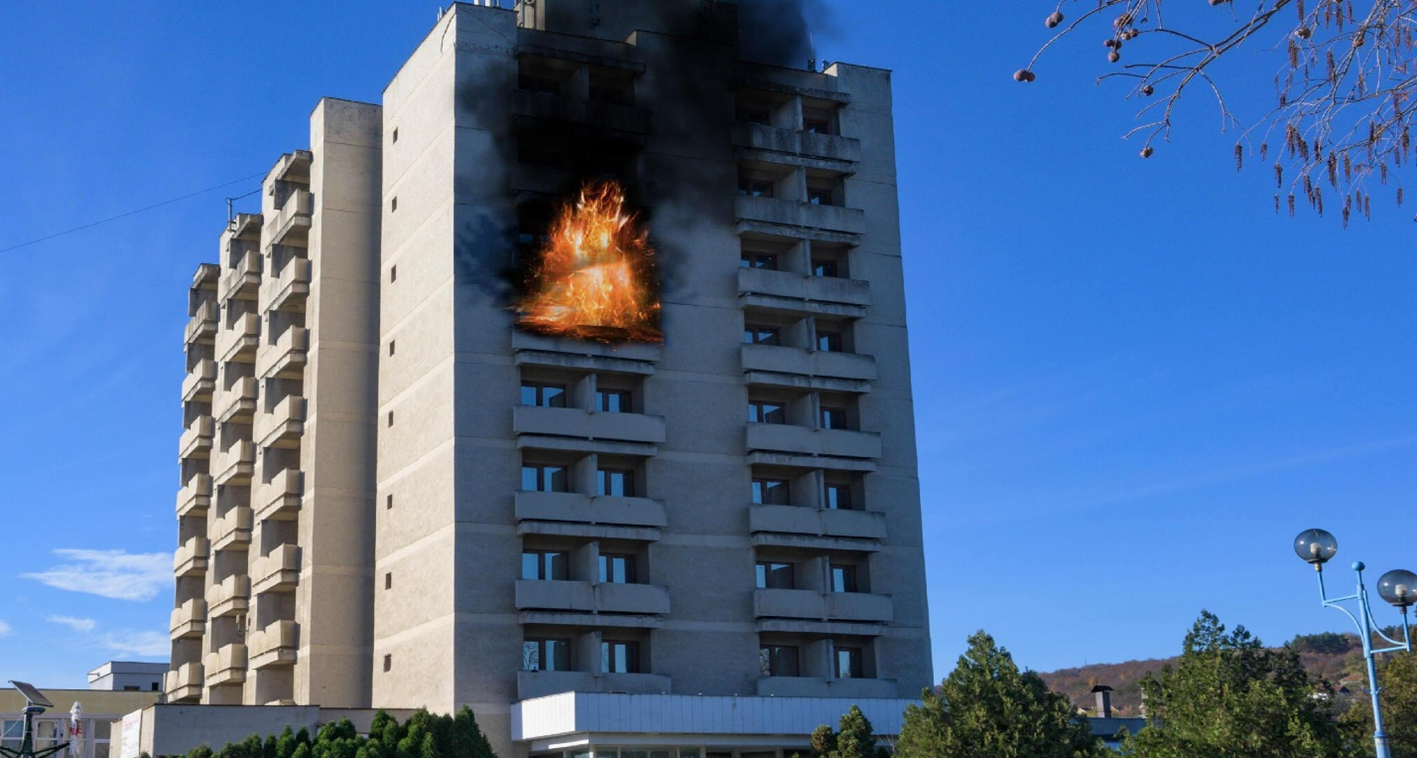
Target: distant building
1111, 730
128, 676
102, 710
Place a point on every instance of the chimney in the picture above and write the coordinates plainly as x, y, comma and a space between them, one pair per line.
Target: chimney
1103, 695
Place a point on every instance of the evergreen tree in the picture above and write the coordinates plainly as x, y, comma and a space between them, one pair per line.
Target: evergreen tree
285, 745
1397, 674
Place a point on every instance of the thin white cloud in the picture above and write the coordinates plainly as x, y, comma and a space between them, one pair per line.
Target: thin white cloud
5, 629
77, 624
112, 574
138, 644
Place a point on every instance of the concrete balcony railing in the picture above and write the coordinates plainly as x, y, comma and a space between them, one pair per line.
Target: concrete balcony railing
552, 107
235, 465
195, 497
242, 280
291, 225
801, 440
233, 530
273, 646
189, 620
534, 684
279, 499
571, 507
229, 598
238, 341
197, 386
282, 425
196, 439
184, 683
814, 687
788, 142
226, 666
825, 292
201, 328
585, 597
831, 218
809, 364
289, 288
812, 522
237, 402
858, 607
192, 558
278, 571
286, 356
574, 422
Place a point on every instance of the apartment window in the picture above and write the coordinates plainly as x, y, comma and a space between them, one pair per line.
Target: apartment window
838, 497
758, 260
544, 395
616, 483
394, 205
824, 267
396, 134
774, 575
388, 663
617, 569
388, 502
546, 655
766, 412
392, 346
391, 418
545, 565
843, 578
833, 418
393, 274
849, 663
612, 401
620, 657
771, 492
819, 196
389, 580
537, 477
755, 186
817, 125
778, 660
829, 342
757, 334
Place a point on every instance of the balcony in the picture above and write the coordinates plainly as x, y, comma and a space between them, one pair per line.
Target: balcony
289, 290
279, 499
201, 328
813, 687
790, 213
533, 684
804, 441
564, 352
585, 597
810, 605
277, 572
235, 465
575, 508
286, 357
783, 290
818, 149
770, 365
283, 425
184, 683
189, 620
226, 666
544, 106
233, 529
229, 598
812, 522
291, 225
196, 440
273, 646
197, 386
242, 281
237, 402
192, 558
238, 341
574, 423
195, 497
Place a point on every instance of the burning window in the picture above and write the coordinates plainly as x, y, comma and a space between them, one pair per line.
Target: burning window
592, 276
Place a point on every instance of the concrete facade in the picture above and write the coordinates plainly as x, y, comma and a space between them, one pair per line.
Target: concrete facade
128, 676
353, 520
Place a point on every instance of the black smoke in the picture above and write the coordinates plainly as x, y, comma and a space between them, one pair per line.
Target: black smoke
779, 32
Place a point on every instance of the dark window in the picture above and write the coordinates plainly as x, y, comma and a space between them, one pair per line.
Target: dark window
777, 660
545, 565
396, 134
616, 483
620, 657
131, 688
829, 342
771, 492
537, 82
848, 663
538, 477
839, 497
756, 334
833, 418
758, 260
393, 274
544, 395
825, 268
757, 116
817, 126
753, 187
388, 662
819, 196
392, 346
394, 205
843, 578
774, 576
612, 401
617, 569
388, 581
764, 412
546, 655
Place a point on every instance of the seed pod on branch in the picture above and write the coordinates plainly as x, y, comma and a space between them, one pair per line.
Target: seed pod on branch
1055, 18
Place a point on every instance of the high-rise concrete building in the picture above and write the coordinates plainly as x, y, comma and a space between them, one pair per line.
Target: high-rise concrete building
693, 539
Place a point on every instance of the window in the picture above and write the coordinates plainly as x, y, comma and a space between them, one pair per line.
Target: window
612, 401
392, 347
544, 395
829, 342
391, 418
751, 259
824, 267
819, 196
777, 660
545, 565
757, 334
546, 655
620, 657
848, 663
817, 125
393, 274
843, 578
388, 663
396, 134
838, 497
617, 568
538, 477
388, 502
751, 115
765, 412
771, 492
755, 186
774, 575
616, 483
393, 206
833, 418
389, 580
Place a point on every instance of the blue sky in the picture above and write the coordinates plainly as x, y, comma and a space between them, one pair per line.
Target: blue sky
1134, 382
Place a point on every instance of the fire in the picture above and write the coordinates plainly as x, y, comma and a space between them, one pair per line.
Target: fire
594, 276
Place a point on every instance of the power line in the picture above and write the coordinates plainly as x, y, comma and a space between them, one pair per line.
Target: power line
132, 213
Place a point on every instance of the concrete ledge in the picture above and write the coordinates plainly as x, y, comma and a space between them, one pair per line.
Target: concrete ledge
590, 509
534, 684
803, 686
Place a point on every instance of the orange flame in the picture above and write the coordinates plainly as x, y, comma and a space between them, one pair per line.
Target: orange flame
593, 278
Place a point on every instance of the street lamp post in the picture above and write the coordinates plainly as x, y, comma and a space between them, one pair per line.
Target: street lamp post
1398, 587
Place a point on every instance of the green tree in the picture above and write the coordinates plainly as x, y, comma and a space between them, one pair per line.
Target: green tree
856, 738
1228, 697
1397, 673
987, 708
